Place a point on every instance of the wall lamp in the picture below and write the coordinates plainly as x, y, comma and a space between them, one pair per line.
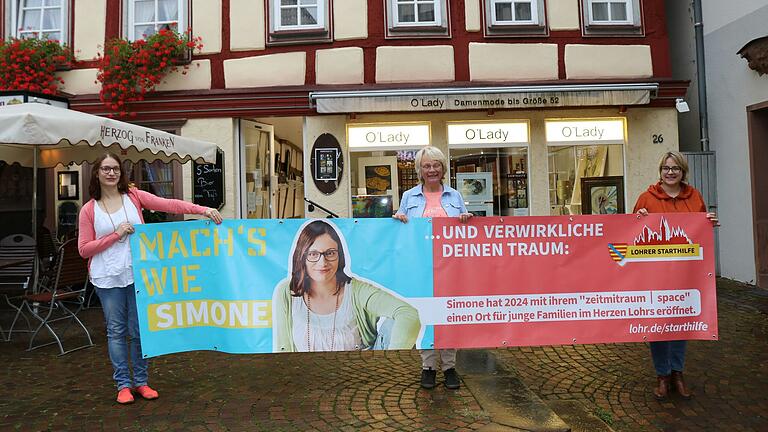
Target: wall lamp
681, 105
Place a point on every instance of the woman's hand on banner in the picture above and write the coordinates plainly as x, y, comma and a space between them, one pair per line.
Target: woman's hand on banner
642, 212
713, 218
401, 217
214, 215
464, 217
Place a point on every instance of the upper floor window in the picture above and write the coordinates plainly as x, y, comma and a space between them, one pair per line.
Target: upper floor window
610, 12
299, 14
293, 21
417, 12
42, 19
514, 12
414, 18
612, 17
146, 17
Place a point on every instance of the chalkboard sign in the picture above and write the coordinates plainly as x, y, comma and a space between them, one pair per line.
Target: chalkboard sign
208, 182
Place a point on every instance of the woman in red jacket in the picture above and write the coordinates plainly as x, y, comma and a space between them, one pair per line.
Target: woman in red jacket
671, 195
105, 222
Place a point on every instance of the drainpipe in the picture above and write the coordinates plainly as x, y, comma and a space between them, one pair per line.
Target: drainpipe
698, 26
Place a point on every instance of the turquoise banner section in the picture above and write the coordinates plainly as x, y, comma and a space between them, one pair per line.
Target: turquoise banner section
233, 287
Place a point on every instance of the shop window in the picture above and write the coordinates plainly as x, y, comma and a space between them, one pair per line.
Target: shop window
603, 17
505, 17
42, 19
159, 178
298, 20
493, 181
415, 18
570, 167
146, 17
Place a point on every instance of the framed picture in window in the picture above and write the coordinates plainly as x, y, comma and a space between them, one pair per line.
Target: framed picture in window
484, 209
69, 185
378, 175
475, 187
602, 195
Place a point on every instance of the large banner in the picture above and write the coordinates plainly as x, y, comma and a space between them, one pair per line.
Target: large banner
260, 286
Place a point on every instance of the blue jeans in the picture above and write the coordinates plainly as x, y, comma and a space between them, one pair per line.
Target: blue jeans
119, 305
668, 356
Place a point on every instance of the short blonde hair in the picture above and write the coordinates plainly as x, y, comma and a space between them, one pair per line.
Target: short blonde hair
433, 153
679, 159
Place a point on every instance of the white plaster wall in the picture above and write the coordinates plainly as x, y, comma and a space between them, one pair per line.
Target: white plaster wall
608, 61
266, 71
350, 19
339, 66
512, 62
472, 17
220, 131
79, 81
197, 77
414, 64
90, 24
718, 13
731, 87
563, 14
340, 201
206, 23
641, 155
246, 25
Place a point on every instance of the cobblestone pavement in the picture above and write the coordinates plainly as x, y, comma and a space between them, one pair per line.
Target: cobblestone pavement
729, 377
209, 391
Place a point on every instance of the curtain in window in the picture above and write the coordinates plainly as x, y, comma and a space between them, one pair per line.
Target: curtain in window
143, 18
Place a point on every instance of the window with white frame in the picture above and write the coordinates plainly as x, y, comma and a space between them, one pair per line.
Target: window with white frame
514, 18
417, 18
298, 14
416, 12
511, 12
147, 17
41, 19
610, 12
609, 17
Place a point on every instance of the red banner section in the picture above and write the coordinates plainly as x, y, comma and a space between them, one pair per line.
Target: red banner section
515, 281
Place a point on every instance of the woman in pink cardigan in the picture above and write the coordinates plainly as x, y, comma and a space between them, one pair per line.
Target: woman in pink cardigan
105, 223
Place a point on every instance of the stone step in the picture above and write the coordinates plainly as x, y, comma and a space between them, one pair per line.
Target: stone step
511, 405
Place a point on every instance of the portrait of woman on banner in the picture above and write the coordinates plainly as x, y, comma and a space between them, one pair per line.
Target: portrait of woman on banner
322, 306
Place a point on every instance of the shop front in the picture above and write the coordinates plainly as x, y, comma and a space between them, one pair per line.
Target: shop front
557, 160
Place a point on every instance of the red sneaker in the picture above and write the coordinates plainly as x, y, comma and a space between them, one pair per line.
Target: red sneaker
146, 392
124, 396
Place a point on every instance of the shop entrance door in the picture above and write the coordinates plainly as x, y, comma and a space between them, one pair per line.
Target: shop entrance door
259, 182
758, 146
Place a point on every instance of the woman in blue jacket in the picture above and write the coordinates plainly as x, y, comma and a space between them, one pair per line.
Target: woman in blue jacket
431, 198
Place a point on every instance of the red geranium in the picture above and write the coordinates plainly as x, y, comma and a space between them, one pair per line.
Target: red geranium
31, 64
129, 70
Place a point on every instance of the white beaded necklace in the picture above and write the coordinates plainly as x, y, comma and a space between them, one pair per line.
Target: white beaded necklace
333, 331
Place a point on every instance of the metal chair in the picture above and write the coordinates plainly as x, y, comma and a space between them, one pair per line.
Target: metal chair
62, 300
18, 254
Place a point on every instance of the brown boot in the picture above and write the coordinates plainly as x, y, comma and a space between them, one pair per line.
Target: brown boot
679, 385
662, 388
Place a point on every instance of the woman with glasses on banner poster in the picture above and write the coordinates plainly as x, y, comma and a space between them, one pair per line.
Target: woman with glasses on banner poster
431, 198
323, 307
671, 194
105, 222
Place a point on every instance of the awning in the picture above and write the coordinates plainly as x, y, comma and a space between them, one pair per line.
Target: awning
64, 136
483, 98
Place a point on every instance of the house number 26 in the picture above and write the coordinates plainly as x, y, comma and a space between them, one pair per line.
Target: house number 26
657, 138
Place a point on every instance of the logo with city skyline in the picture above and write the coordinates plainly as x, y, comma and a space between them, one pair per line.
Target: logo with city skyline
666, 243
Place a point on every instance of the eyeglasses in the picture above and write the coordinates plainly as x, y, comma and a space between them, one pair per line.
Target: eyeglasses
330, 255
435, 166
672, 169
108, 169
